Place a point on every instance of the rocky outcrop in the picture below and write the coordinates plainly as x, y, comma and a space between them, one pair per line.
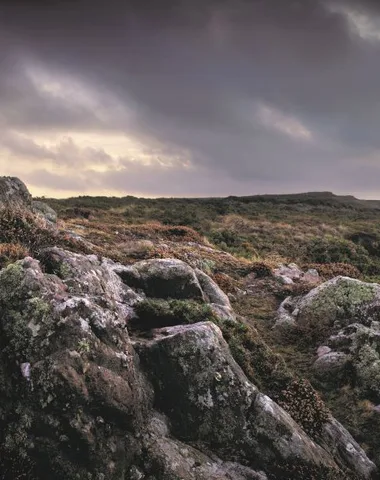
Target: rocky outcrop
14, 193
216, 405
291, 273
333, 304
84, 397
42, 209
163, 278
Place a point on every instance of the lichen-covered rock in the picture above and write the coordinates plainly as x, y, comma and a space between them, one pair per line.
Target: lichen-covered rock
216, 405
340, 443
212, 292
339, 301
166, 458
86, 397
43, 209
354, 354
14, 193
332, 367
333, 304
72, 372
162, 278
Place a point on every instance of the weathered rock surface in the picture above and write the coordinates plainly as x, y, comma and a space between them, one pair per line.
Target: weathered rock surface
291, 273
341, 444
334, 304
346, 312
214, 402
354, 350
43, 209
81, 399
14, 193
163, 278
332, 367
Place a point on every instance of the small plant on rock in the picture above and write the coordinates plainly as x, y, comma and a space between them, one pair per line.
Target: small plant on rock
305, 406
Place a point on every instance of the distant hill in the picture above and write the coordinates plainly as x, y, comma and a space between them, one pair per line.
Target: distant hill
312, 199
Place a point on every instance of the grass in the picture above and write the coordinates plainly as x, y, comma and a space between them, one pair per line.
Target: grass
334, 235
306, 228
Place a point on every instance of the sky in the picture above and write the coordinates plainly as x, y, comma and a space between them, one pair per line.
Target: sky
190, 97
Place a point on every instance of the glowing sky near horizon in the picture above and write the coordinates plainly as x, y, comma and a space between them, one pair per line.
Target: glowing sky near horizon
190, 98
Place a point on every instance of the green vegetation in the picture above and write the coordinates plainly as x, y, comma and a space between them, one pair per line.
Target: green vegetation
307, 228
156, 313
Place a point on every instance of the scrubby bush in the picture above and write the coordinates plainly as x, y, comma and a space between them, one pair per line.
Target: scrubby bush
22, 233
305, 406
24, 228
225, 282
11, 252
331, 249
261, 365
331, 270
261, 269
368, 371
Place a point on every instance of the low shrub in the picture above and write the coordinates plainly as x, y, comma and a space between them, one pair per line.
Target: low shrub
24, 228
305, 406
331, 270
11, 252
337, 250
261, 269
225, 282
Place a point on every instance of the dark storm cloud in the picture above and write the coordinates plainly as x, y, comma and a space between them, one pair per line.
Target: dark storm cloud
263, 95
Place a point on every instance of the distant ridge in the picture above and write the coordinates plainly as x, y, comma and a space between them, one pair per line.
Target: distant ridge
305, 200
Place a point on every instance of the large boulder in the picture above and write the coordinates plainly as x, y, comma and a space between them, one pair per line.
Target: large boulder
162, 278
340, 443
14, 193
71, 389
354, 353
84, 398
333, 304
43, 210
216, 405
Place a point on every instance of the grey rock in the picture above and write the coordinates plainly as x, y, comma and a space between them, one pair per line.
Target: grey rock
341, 444
179, 460
43, 209
195, 362
14, 193
323, 350
212, 292
332, 366
335, 304
285, 318
291, 271
171, 405
162, 278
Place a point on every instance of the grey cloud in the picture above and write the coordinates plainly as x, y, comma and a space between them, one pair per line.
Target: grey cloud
189, 76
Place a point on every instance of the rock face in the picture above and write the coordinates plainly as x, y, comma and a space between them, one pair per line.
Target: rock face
347, 314
163, 278
335, 303
84, 399
13, 193
291, 273
42, 209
